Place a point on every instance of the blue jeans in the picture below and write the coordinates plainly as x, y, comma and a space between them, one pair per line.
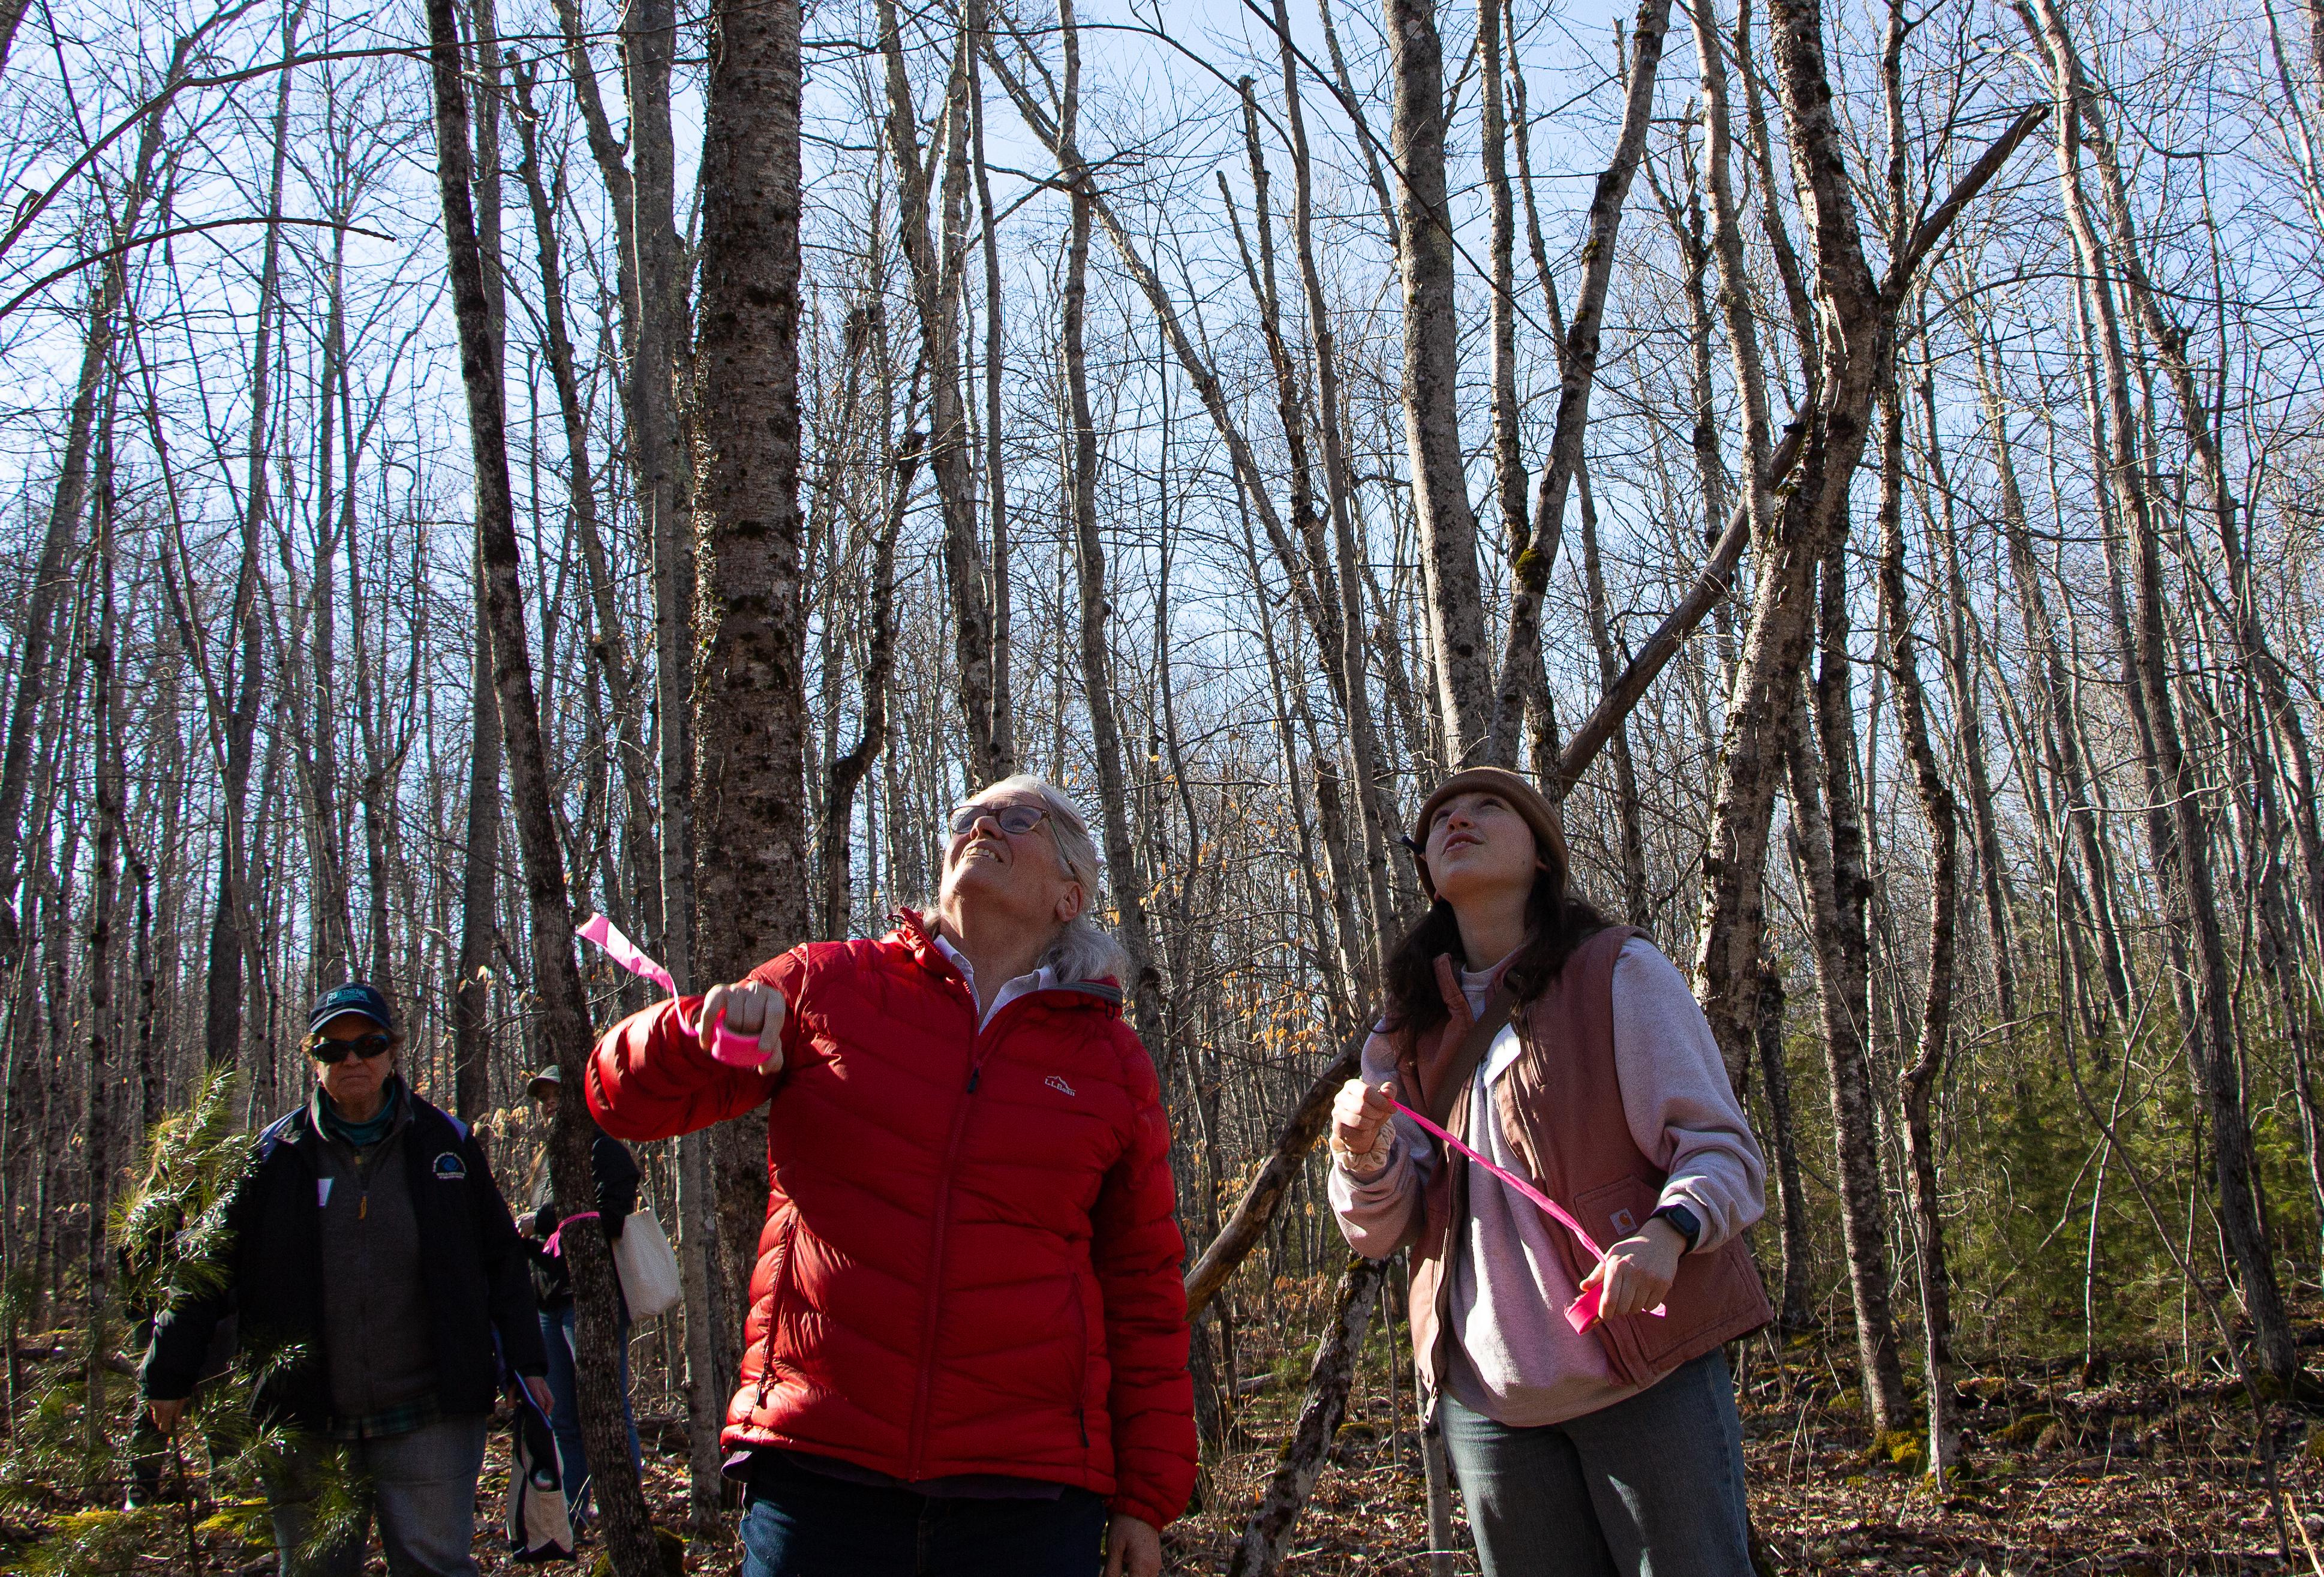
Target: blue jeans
803, 1524
1649, 1486
422, 1489
571, 1462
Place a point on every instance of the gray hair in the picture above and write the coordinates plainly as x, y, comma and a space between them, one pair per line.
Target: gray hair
1083, 950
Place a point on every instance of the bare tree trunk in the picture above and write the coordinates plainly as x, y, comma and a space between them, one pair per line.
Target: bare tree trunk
1636, 907
1374, 794
937, 263
1432, 375
2183, 855
564, 1023
230, 942
1863, 1213
72, 494
1797, 1311
1967, 718
1578, 367
1920, 1075
848, 771
753, 896
472, 1039
1127, 887
1003, 705
110, 782
2061, 740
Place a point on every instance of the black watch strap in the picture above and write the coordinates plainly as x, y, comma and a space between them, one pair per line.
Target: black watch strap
1689, 1224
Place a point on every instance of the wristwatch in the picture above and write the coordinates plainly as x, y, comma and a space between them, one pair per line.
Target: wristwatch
1689, 1224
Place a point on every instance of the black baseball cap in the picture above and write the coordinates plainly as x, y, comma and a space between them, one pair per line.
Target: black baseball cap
355, 997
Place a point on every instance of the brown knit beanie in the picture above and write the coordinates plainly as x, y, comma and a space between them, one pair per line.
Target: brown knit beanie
1523, 798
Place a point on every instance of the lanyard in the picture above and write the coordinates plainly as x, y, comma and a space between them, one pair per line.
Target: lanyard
1583, 1311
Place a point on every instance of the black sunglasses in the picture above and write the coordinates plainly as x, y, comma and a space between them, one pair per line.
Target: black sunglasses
1015, 820
324, 1049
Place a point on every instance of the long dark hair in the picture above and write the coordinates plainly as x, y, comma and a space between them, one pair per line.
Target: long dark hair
1556, 923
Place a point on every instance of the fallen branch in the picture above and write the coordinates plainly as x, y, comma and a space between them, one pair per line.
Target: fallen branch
1257, 1207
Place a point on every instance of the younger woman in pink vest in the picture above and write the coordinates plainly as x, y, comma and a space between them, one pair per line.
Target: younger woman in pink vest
1613, 1449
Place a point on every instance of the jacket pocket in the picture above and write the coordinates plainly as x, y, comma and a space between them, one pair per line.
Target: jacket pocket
1081, 1358
779, 1258
1610, 1213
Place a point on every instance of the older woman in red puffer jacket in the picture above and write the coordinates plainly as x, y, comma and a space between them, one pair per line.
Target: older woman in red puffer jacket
967, 1332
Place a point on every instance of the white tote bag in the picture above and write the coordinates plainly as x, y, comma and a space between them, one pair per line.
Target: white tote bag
649, 1270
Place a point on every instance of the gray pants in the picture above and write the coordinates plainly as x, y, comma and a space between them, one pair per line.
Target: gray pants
421, 1487
1650, 1487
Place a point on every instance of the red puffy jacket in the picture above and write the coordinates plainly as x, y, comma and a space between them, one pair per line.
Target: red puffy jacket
971, 1262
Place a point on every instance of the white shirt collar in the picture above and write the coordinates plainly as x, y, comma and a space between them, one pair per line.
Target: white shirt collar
1040, 979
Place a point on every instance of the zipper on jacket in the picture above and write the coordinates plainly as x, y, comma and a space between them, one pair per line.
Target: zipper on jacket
980, 1047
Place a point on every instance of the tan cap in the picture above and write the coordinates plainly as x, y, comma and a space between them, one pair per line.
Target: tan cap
1527, 800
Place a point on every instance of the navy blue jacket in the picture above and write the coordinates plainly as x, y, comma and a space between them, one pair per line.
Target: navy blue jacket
479, 1287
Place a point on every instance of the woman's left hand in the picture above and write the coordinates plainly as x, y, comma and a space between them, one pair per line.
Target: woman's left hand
1133, 1548
1637, 1271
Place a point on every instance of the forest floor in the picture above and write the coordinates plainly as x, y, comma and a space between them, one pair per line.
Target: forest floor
2150, 1473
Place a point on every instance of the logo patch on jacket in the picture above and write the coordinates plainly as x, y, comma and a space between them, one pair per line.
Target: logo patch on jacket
1057, 1084
450, 1167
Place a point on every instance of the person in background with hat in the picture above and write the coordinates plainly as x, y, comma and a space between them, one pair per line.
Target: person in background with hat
372, 1252
614, 1171
1566, 1051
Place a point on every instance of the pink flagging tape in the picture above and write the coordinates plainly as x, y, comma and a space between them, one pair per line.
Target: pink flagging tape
624, 951
556, 1244
1583, 1311
727, 1046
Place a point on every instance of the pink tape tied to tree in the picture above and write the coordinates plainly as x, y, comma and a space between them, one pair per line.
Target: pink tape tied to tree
1583, 1311
728, 1046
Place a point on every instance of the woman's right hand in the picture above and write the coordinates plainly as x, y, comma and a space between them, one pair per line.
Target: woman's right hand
752, 1008
1359, 1115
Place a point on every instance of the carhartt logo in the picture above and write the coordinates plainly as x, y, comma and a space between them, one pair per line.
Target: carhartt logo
1058, 1085
1625, 1222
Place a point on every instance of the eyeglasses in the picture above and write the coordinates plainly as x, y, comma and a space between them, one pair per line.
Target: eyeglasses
324, 1049
1015, 820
